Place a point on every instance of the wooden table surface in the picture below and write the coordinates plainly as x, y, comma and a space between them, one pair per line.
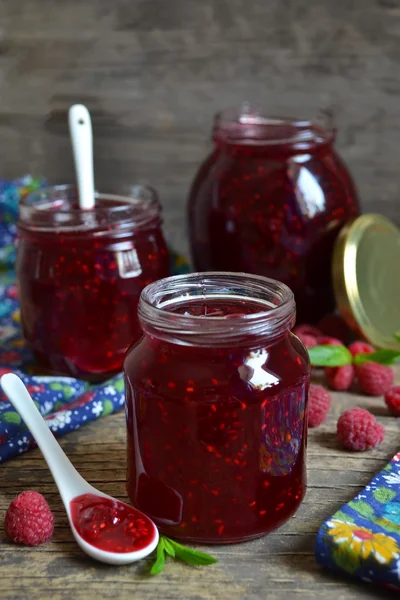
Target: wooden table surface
276, 567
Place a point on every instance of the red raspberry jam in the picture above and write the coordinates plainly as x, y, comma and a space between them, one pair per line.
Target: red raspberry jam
110, 525
270, 199
80, 275
216, 395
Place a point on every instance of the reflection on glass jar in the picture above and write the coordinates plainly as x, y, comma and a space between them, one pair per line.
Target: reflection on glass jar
80, 275
271, 199
216, 394
283, 421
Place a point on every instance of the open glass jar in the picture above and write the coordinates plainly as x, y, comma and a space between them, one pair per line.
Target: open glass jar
216, 395
80, 274
270, 199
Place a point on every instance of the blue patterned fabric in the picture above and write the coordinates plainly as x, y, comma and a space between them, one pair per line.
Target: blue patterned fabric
363, 537
64, 402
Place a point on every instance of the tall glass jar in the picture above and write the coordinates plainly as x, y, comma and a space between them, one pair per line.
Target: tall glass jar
80, 274
216, 394
270, 199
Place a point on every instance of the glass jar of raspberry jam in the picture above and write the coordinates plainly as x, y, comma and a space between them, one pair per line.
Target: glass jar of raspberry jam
270, 199
80, 274
216, 394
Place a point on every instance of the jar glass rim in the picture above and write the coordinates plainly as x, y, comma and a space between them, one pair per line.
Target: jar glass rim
137, 207
185, 329
253, 125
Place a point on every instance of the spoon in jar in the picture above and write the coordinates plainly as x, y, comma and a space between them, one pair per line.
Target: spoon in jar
80, 128
105, 528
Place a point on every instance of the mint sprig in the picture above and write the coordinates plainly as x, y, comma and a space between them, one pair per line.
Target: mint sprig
330, 356
384, 357
169, 547
158, 565
338, 356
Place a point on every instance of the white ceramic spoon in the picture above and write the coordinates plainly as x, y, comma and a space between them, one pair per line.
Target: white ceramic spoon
69, 482
80, 129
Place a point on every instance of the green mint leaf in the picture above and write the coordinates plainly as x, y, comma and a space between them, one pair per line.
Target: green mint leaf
396, 337
158, 566
168, 546
330, 356
384, 357
192, 557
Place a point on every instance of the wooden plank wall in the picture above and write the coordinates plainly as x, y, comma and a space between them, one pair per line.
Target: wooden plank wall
153, 72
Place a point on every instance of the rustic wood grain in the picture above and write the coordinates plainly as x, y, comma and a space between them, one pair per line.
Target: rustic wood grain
274, 567
153, 72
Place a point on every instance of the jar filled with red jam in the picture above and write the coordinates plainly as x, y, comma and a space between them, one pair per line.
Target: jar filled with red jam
270, 199
80, 274
216, 395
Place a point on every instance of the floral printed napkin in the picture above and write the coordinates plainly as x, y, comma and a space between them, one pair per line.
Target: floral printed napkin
64, 402
363, 537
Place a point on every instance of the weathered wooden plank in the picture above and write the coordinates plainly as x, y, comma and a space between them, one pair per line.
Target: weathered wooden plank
280, 564
153, 76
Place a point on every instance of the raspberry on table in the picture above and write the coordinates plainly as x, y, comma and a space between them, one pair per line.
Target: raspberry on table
392, 400
360, 347
326, 340
357, 429
375, 379
29, 519
306, 330
319, 403
309, 341
340, 378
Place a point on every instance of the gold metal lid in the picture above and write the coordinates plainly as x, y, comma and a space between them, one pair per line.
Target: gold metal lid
366, 278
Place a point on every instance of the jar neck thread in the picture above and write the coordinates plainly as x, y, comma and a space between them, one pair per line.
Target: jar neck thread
250, 127
56, 209
264, 309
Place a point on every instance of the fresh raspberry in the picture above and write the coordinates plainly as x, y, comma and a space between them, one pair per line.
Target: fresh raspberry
309, 341
29, 520
334, 326
306, 330
326, 340
375, 379
358, 430
392, 399
319, 402
360, 347
340, 378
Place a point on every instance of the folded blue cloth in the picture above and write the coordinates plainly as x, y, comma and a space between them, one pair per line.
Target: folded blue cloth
363, 537
65, 403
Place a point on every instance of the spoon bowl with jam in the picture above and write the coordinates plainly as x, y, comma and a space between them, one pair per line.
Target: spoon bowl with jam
106, 529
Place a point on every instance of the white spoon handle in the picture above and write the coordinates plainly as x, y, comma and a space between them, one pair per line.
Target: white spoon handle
68, 480
80, 128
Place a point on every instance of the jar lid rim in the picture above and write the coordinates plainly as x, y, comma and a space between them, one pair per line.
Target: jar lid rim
364, 269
